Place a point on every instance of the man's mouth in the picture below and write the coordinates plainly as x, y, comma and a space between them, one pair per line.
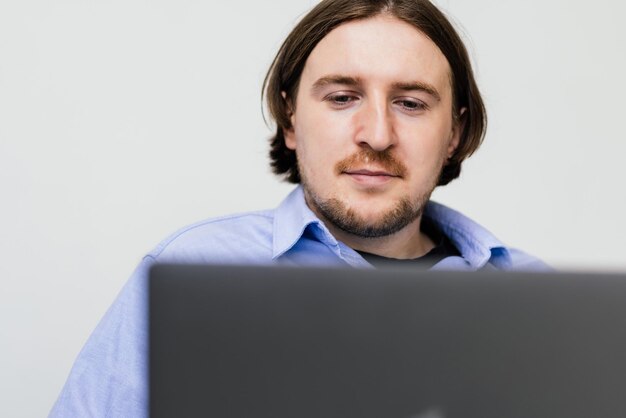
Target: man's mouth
372, 165
371, 178
371, 173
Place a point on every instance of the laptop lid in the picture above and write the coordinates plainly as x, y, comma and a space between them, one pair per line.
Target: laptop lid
302, 342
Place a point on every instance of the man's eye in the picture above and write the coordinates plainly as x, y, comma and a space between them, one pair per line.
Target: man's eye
412, 105
342, 99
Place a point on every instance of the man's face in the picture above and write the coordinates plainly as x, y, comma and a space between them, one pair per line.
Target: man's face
372, 125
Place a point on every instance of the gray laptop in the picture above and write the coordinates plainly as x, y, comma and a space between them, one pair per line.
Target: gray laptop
297, 343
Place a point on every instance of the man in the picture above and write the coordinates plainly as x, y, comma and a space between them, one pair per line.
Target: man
376, 105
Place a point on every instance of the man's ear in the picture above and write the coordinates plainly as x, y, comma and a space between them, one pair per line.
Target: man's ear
288, 133
457, 131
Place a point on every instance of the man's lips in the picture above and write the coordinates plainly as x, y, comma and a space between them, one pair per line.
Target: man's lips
372, 173
371, 178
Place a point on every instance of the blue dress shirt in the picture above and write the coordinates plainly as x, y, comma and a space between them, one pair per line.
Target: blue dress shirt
109, 377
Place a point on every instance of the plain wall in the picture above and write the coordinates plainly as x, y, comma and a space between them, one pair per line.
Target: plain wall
121, 121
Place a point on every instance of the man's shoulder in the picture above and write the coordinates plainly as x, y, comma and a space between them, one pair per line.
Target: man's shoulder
235, 237
522, 261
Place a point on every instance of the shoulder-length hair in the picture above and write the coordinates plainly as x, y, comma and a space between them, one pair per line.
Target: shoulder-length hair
281, 82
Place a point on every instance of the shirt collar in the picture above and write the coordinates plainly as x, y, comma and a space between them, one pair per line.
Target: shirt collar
291, 219
477, 245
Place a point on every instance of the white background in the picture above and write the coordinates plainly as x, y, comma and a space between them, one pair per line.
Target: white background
123, 120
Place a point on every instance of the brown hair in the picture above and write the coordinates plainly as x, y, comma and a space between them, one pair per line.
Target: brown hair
284, 73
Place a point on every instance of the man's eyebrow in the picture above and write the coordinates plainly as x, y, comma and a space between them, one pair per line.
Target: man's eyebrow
335, 79
417, 85
356, 81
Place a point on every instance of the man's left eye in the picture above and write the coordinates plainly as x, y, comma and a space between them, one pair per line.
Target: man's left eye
412, 105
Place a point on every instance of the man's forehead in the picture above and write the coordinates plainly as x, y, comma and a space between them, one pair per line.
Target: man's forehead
379, 49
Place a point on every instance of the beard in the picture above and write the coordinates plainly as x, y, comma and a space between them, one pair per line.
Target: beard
339, 214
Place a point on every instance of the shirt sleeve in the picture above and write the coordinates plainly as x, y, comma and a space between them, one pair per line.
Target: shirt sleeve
109, 377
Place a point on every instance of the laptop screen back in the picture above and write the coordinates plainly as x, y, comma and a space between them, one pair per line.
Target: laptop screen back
285, 342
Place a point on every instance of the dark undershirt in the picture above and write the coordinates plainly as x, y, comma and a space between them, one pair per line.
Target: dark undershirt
443, 248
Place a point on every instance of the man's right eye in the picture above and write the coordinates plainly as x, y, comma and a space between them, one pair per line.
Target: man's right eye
341, 100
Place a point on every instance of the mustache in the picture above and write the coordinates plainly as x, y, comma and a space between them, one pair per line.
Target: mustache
384, 159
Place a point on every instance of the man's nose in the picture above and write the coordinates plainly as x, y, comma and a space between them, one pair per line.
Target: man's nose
376, 127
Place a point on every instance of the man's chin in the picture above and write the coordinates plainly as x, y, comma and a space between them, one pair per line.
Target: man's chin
370, 218
364, 222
